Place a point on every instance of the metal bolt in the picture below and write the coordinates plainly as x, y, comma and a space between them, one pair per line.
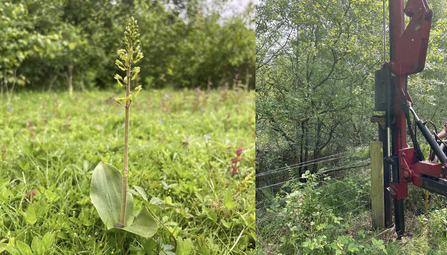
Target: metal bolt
406, 174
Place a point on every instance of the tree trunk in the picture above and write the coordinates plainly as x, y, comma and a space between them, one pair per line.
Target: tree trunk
306, 143
52, 82
301, 148
317, 150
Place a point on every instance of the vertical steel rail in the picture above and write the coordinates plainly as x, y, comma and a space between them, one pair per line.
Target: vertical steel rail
398, 136
383, 136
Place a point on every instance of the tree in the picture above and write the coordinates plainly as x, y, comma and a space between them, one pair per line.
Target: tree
315, 61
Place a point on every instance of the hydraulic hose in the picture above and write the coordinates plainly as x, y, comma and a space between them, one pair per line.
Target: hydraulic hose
428, 136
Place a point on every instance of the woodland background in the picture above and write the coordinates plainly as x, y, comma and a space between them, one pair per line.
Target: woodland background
72, 44
315, 63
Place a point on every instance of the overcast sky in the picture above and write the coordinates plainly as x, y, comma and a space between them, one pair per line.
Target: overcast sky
231, 7
236, 6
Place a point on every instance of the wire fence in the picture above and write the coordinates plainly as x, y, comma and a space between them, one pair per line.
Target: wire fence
332, 179
294, 207
275, 178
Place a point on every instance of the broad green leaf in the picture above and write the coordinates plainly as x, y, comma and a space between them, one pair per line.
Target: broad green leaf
23, 247
184, 247
13, 250
3, 182
106, 195
228, 200
225, 223
144, 225
105, 192
47, 241
36, 245
31, 217
141, 192
211, 214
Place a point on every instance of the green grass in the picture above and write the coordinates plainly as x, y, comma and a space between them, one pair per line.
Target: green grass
179, 148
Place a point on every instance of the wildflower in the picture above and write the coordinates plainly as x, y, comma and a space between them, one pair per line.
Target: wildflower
239, 151
38, 114
10, 109
119, 112
32, 193
52, 115
207, 136
233, 164
30, 196
102, 109
159, 121
201, 108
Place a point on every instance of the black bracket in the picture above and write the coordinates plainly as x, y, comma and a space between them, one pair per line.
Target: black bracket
384, 94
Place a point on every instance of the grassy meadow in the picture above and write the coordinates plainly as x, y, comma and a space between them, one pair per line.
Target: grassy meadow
181, 145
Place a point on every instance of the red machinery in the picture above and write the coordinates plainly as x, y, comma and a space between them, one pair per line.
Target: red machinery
407, 56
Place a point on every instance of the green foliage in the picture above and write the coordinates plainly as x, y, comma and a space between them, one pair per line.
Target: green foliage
331, 215
70, 42
106, 195
18, 43
310, 223
314, 78
179, 157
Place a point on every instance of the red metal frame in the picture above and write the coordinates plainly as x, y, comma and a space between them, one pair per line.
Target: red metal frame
408, 53
410, 170
410, 47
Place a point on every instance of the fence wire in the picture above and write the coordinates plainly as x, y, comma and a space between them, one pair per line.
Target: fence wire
341, 191
294, 206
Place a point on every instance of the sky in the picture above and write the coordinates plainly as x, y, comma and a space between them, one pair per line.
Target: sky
235, 6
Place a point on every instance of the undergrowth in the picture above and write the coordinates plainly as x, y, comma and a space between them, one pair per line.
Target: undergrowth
332, 215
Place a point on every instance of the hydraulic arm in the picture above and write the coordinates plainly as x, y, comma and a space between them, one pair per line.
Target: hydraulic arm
408, 49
